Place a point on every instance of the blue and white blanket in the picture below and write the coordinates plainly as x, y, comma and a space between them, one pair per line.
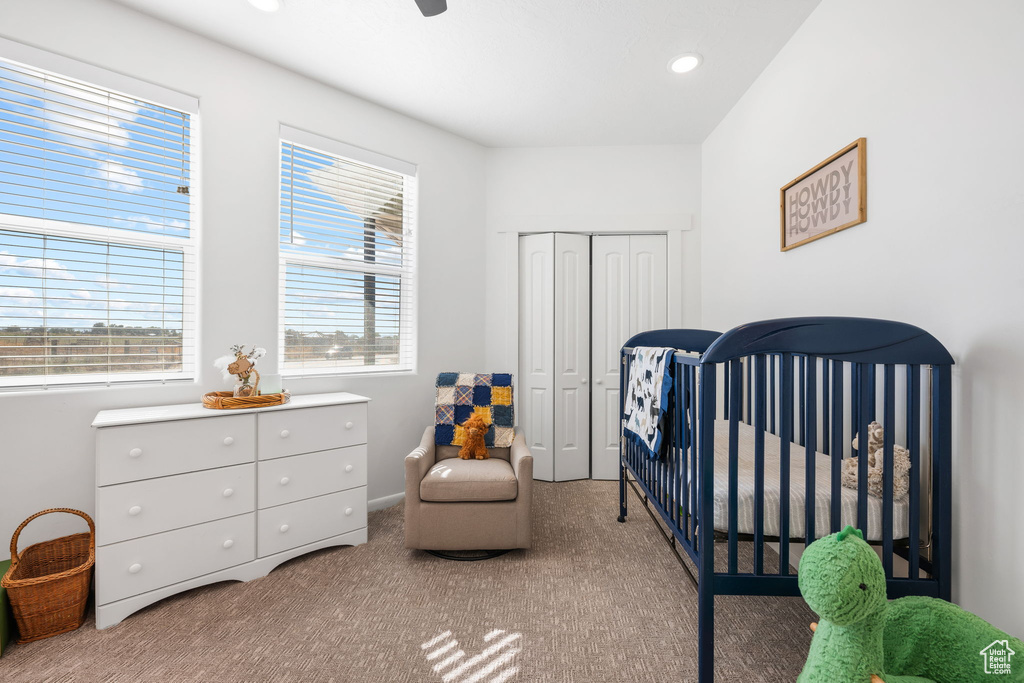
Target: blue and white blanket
647, 396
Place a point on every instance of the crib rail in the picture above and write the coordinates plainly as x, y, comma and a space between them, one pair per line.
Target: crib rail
800, 389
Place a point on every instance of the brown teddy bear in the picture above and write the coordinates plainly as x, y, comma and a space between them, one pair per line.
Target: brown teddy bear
474, 447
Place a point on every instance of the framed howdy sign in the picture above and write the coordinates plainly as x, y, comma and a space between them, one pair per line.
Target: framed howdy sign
830, 197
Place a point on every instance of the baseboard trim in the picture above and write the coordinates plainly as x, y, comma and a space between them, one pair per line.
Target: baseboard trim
385, 502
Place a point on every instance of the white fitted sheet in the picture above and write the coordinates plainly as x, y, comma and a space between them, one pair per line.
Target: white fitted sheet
772, 490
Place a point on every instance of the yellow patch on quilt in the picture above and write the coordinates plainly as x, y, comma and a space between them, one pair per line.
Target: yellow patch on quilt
484, 412
501, 396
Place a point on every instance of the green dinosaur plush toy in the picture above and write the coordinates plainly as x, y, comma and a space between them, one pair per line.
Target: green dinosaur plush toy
863, 637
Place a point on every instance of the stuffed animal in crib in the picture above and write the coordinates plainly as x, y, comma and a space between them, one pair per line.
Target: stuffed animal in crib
474, 446
876, 460
862, 637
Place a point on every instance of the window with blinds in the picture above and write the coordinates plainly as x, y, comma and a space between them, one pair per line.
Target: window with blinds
97, 241
347, 227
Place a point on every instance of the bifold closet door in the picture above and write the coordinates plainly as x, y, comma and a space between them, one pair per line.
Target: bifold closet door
630, 274
554, 353
572, 356
536, 380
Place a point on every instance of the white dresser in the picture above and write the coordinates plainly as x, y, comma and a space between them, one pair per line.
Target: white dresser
187, 496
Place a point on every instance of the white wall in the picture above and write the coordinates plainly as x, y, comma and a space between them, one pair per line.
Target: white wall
936, 91
652, 188
46, 444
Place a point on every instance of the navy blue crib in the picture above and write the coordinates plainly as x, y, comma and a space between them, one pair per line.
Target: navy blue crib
795, 391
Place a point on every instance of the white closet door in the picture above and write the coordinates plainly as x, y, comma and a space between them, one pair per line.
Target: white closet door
610, 313
572, 356
630, 277
648, 274
536, 380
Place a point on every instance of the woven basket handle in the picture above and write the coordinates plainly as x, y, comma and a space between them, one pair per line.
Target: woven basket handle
70, 511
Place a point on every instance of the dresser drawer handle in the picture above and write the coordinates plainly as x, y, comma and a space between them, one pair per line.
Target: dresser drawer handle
227, 544
134, 510
284, 528
348, 511
349, 468
228, 493
349, 425
228, 440
135, 568
284, 481
285, 433
135, 452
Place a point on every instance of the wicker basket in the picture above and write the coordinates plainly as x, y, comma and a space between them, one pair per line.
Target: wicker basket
48, 583
225, 400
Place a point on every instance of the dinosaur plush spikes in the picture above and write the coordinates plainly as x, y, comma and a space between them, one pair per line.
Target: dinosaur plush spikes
862, 637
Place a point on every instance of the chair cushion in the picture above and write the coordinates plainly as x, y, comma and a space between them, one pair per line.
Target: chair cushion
454, 480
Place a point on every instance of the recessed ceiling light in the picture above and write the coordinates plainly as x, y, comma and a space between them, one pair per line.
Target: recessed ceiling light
683, 63
266, 5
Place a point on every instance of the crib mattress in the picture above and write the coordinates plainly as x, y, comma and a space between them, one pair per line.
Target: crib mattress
772, 490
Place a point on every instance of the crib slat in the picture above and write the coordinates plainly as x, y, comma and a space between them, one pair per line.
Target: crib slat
706, 542
914, 446
677, 446
872, 388
726, 390
696, 455
810, 446
889, 423
661, 464
685, 478
760, 405
734, 438
826, 442
801, 383
836, 513
942, 473
750, 392
771, 394
855, 387
786, 424
862, 450
623, 372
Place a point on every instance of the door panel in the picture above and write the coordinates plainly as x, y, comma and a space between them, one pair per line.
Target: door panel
648, 279
610, 286
630, 275
572, 356
536, 349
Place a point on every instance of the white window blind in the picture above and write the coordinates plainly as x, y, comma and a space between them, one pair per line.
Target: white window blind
97, 237
347, 255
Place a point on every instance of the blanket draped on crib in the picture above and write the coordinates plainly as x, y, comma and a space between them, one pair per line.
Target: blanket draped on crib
647, 396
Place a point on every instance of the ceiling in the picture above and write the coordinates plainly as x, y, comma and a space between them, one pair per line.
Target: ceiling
518, 73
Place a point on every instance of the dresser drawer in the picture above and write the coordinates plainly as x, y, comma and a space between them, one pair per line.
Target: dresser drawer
289, 526
290, 432
134, 567
125, 511
158, 449
285, 480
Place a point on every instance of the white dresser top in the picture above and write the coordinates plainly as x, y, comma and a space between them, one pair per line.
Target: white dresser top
188, 411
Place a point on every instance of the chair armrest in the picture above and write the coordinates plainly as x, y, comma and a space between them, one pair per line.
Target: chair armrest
417, 463
520, 457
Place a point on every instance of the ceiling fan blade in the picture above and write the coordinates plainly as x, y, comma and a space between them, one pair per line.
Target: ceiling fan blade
432, 8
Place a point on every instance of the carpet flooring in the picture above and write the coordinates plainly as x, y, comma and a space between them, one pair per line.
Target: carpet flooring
594, 601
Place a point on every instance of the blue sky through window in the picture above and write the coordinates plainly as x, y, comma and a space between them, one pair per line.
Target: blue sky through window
74, 155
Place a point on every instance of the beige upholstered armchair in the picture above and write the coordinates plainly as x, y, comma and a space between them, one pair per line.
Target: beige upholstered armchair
455, 504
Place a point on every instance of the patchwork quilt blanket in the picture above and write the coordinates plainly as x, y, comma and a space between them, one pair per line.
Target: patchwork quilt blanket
460, 394
647, 396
